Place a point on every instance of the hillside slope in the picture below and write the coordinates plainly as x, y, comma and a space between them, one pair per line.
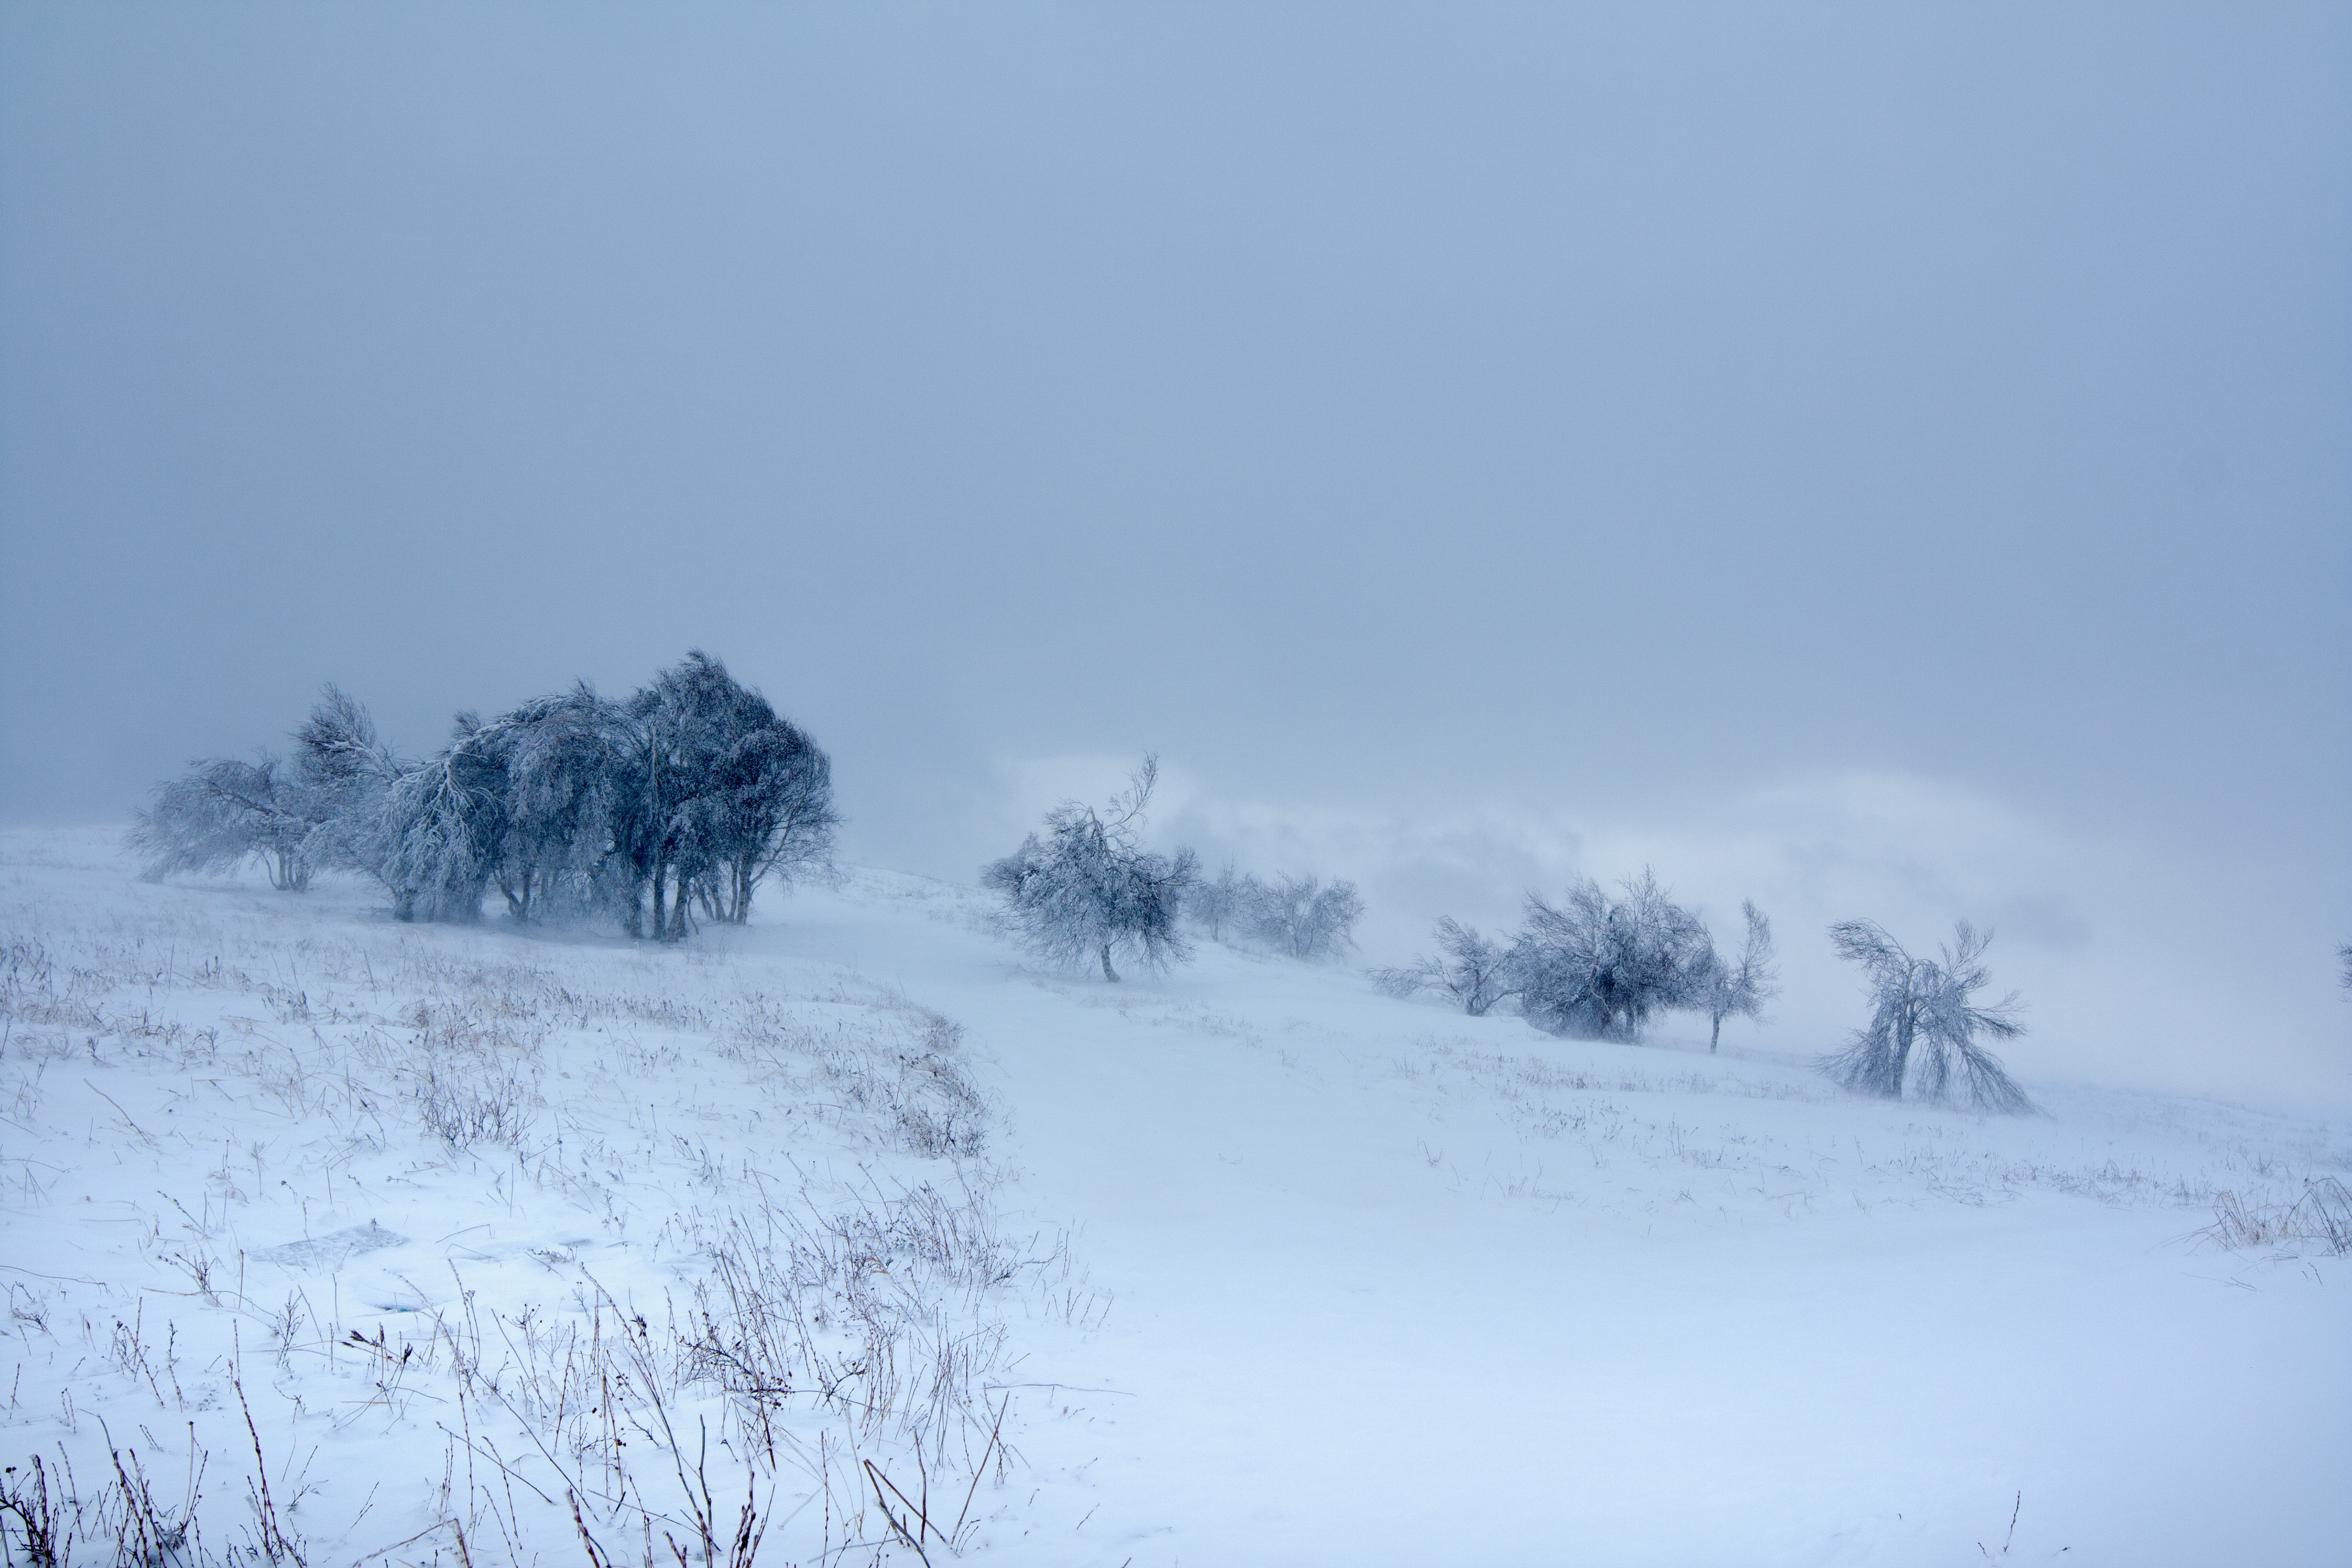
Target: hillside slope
1244, 1264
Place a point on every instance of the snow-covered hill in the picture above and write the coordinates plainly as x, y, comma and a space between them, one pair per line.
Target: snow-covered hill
855, 1216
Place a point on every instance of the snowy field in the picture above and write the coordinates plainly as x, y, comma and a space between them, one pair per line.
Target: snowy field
407, 1245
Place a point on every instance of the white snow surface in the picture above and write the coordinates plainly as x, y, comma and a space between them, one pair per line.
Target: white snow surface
1259, 1265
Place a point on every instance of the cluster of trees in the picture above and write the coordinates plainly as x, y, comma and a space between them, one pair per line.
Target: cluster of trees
1297, 917
676, 802
672, 803
1086, 891
1600, 966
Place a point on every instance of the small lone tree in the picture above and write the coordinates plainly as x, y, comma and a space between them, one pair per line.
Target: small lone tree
1088, 886
1740, 989
1924, 1028
1471, 968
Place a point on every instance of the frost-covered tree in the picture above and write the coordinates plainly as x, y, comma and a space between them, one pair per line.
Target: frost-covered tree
1738, 988
446, 827
677, 721
1925, 1026
338, 753
350, 772
566, 764
1088, 889
2344, 957
1295, 916
726, 793
222, 813
1598, 967
431, 830
693, 790
1300, 918
770, 808
1214, 904
1474, 970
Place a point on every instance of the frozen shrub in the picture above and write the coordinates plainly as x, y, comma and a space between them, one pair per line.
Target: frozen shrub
1598, 967
1471, 968
463, 1109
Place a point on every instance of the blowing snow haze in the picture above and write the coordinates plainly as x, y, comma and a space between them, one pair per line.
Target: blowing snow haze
1892, 466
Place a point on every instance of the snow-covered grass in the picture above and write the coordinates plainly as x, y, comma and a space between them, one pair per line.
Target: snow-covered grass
852, 1236
492, 1224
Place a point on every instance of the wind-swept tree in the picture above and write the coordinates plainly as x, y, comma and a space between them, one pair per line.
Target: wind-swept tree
223, 811
435, 831
1471, 968
351, 771
726, 793
678, 724
1925, 1026
1598, 968
1088, 889
444, 826
1739, 987
340, 755
770, 810
565, 759
1297, 917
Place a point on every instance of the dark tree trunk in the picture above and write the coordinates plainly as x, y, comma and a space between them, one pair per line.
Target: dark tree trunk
1108, 972
1904, 1029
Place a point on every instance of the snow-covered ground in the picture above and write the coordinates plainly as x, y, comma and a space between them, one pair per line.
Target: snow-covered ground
1244, 1264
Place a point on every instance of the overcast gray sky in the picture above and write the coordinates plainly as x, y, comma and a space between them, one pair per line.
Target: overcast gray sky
1472, 445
